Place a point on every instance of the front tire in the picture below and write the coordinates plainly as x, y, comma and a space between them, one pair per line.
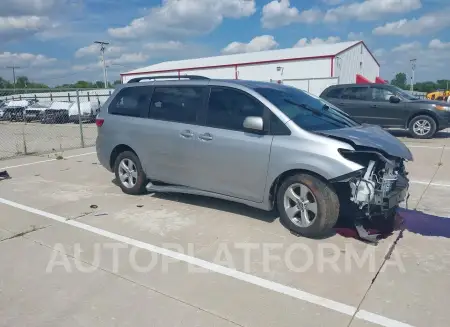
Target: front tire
129, 173
423, 127
307, 205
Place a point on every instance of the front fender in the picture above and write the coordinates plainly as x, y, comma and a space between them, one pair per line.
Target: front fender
320, 156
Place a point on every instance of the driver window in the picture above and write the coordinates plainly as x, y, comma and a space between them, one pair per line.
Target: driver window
228, 108
380, 94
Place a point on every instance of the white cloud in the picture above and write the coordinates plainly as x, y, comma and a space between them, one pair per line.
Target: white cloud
426, 24
28, 23
30, 7
304, 42
280, 13
259, 43
379, 52
22, 18
130, 58
94, 50
371, 9
355, 36
438, 44
25, 59
332, 2
183, 18
406, 47
164, 46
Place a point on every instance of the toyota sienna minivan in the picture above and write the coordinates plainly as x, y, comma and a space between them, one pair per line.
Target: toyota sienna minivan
266, 145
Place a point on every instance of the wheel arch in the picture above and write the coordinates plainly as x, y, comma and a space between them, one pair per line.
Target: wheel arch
423, 113
286, 174
118, 150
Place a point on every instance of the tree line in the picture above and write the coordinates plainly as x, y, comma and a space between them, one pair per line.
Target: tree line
23, 82
400, 80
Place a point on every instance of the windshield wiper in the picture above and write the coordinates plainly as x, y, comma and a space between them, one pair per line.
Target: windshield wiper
319, 113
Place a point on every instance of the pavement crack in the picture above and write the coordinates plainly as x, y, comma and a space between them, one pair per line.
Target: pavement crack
394, 244
84, 214
26, 232
440, 164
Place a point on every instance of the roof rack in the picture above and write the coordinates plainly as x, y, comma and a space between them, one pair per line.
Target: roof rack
191, 77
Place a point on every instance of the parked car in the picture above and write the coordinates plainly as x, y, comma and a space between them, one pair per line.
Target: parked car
2, 112
262, 144
14, 110
390, 107
57, 113
36, 111
88, 110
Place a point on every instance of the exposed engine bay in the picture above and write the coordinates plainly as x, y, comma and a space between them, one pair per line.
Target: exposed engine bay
375, 191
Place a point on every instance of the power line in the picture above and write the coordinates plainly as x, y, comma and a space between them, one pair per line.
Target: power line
102, 50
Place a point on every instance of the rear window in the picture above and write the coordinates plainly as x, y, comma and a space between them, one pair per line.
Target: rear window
178, 104
131, 101
334, 93
356, 93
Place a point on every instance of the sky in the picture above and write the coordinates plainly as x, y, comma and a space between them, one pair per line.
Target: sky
52, 40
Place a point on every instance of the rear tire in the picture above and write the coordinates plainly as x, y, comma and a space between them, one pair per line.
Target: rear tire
423, 127
307, 205
129, 173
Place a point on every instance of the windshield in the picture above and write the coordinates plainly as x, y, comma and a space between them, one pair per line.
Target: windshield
405, 95
306, 110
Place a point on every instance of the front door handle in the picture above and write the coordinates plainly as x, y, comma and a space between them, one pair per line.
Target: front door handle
373, 106
205, 137
187, 134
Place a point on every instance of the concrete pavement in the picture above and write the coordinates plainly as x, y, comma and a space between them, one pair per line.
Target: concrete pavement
283, 280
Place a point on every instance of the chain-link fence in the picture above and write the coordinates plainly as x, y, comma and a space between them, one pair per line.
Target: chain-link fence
48, 120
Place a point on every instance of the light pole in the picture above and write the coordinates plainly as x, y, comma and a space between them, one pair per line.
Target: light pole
102, 51
14, 75
413, 67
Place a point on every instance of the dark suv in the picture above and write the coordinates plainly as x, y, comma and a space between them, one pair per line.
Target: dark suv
390, 107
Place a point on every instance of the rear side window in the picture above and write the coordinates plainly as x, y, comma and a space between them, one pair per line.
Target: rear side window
355, 93
228, 108
177, 104
131, 101
334, 93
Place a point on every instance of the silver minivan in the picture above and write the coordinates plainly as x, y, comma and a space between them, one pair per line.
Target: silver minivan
266, 145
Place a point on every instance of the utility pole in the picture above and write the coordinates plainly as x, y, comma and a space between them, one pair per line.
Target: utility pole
413, 67
102, 51
14, 74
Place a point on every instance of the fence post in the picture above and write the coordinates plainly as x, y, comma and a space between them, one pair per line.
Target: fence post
24, 139
79, 119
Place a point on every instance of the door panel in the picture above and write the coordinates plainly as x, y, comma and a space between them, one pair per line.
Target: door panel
233, 163
383, 112
230, 160
171, 133
354, 102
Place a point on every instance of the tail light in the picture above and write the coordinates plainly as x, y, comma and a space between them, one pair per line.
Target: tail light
99, 122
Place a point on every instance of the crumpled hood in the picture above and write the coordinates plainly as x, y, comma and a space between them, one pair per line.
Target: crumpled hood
371, 136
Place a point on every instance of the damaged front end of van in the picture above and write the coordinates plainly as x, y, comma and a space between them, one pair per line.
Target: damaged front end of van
374, 192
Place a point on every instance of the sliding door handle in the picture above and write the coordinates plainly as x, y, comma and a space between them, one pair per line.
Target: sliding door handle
187, 134
205, 137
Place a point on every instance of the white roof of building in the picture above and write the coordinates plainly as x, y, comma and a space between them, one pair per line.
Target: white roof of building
312, 51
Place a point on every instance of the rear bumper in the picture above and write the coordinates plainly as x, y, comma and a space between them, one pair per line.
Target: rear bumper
102, 157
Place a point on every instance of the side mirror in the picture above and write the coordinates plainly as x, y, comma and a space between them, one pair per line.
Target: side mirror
255, 124
394, 99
